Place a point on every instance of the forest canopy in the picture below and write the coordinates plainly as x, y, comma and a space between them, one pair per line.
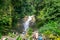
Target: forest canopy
47, 13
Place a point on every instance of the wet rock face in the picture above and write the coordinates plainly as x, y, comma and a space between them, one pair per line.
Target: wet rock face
31, 22
20, 26
25, 18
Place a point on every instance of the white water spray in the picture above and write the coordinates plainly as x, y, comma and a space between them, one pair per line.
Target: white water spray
26, 24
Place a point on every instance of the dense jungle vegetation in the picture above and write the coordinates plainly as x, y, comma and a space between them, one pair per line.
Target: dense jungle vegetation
47, 15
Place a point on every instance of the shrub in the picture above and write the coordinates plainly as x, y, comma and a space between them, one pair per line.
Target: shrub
0, 35
50, 27
19, 38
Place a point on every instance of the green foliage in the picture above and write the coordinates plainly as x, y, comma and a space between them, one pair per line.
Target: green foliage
6, 39
0, 35
19, 38
11, 35
44, 10
50, 28
5, 16
30, 31
50, 11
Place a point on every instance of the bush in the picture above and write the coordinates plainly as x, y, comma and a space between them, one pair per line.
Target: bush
30, 31
0, 35
19, 38
50, 27
11, 34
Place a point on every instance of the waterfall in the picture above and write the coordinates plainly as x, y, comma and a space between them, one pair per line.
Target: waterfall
26, 23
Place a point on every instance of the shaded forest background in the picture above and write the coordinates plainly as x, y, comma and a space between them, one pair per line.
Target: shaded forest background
47, 14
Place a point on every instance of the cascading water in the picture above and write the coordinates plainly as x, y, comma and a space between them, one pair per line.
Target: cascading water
26, 24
